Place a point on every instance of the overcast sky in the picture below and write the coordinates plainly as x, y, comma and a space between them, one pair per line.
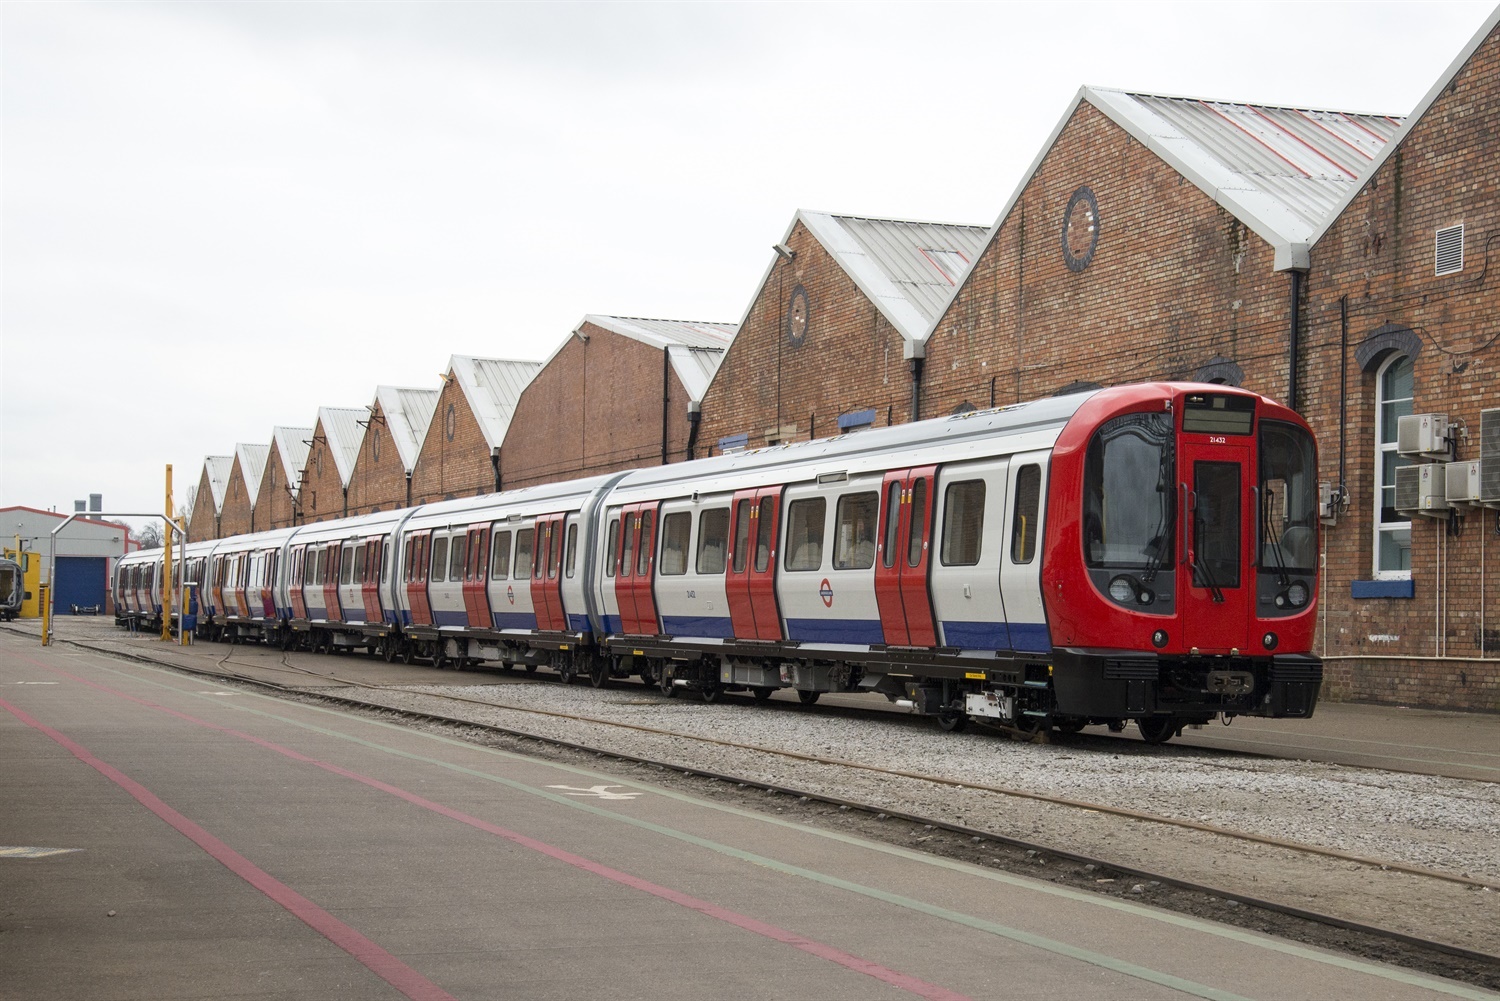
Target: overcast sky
219, 217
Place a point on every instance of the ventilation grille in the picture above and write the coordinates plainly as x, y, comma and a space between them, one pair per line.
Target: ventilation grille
1408, 487
1422, 489
1489, 456
1450, 250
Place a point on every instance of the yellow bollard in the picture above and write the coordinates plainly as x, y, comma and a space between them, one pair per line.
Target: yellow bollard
46, 614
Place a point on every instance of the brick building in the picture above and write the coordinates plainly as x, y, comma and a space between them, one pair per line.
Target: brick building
460, 454
238, 514
394, 430
1402, 319
323, 492
208, 501
1153, 237
835, 329
573, 420
277, 504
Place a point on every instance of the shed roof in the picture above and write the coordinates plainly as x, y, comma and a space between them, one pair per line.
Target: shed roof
408, 413
252, 459
292, 445
345, 433
1410, 122
218, 468
695, 349
1280, 171
492, 386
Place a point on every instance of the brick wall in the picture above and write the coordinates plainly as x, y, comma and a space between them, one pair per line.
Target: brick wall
273, 505
455, 458
204, 522
235, 518
378, 482
1374, 269
322, 492
596, 407
849, 358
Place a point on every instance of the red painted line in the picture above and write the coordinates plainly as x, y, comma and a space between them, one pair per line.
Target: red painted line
832, 954
1298, 139
1255, 138
1318, 124
384, 965
1364, 128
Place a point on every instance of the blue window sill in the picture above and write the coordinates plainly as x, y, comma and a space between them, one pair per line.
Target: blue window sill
1383, 589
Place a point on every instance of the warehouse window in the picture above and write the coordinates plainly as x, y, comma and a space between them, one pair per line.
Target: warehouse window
804, 533
1394, 390
963, 523
713, 540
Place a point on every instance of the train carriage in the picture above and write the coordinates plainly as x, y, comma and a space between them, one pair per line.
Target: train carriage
337, 590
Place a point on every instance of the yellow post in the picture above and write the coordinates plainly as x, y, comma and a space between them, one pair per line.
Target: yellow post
46, 614
166, 571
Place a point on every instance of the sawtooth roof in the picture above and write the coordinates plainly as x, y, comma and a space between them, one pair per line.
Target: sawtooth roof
408, 413
218, 468
252, 460
345, 433
292, 446
695, 349
492, 386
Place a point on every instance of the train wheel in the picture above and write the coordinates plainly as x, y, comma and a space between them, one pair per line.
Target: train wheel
711, 692
1031, 725
665, 685
807, 698
954, 721
1071, 724
762, 693
530, 668
409, 652
1156, 729
599, 672
389, 650
439, 660
647, 678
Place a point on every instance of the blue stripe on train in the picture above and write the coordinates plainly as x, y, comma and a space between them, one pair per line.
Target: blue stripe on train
442, 618
861, 631
515, 620
578, 623
705, 626
1024, 636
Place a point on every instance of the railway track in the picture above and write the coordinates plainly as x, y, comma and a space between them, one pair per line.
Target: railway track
1015, 853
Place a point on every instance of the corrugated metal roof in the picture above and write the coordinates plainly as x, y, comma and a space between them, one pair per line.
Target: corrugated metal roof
694, 348
291, 445
492, 386
218, 468
1282, 171
408, 412
1410, 122
909, 269
345, 433
252, 460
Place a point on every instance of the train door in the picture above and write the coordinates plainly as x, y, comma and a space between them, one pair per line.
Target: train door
267, 582
1217, 578
751, 577
546, 579
904, 556
369, 584
476, 572
242, 585
414, 574
294, 583
333, 608
968, 556
635, 562
570, 589
1020, 562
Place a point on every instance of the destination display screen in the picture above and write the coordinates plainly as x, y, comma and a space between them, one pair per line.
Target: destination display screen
1212, 413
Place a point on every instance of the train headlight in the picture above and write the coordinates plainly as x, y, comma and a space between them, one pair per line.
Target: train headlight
1159, 638
1144, 596
1122, 589
1296, 595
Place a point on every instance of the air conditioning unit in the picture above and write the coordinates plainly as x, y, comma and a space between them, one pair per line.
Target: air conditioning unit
1462, 484
1489, 457
1328, 505
1422, 489
1422, 435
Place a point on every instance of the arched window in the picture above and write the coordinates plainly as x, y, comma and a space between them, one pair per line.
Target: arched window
1393, 400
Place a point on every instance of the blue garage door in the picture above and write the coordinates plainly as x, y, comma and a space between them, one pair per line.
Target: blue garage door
80, 581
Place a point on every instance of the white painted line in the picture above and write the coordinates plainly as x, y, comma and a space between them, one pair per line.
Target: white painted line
23, 851
601, 792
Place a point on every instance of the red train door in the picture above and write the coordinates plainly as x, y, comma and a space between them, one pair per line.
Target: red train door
369, 587
903, 557
637, 561
268, 579
1216, 588
299, 604
476, 574
546, 580
751, 575
242, 584
334, 608
418, 552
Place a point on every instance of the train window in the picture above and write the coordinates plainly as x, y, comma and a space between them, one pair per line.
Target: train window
458, 557
320, 576
424, 554
500, 565
525, 539
854, 541
1128, 494
676, 529
1216, 525
554, 550
963, 523
385, 562
359, 565
648, 543
406, 564
627, 557
1024, 520
439, 559
614, 547
804, 533
713, 540
918, 543
892, 522
572, 548
346, 564
741, 534
763, 539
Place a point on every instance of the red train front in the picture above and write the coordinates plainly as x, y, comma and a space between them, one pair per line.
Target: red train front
1180, 570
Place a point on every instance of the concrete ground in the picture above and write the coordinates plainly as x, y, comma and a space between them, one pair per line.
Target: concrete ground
165, 838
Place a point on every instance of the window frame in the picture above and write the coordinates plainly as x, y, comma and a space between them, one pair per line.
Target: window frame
1383, 448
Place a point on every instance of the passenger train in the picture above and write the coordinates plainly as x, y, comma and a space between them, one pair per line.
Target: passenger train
1144, 552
